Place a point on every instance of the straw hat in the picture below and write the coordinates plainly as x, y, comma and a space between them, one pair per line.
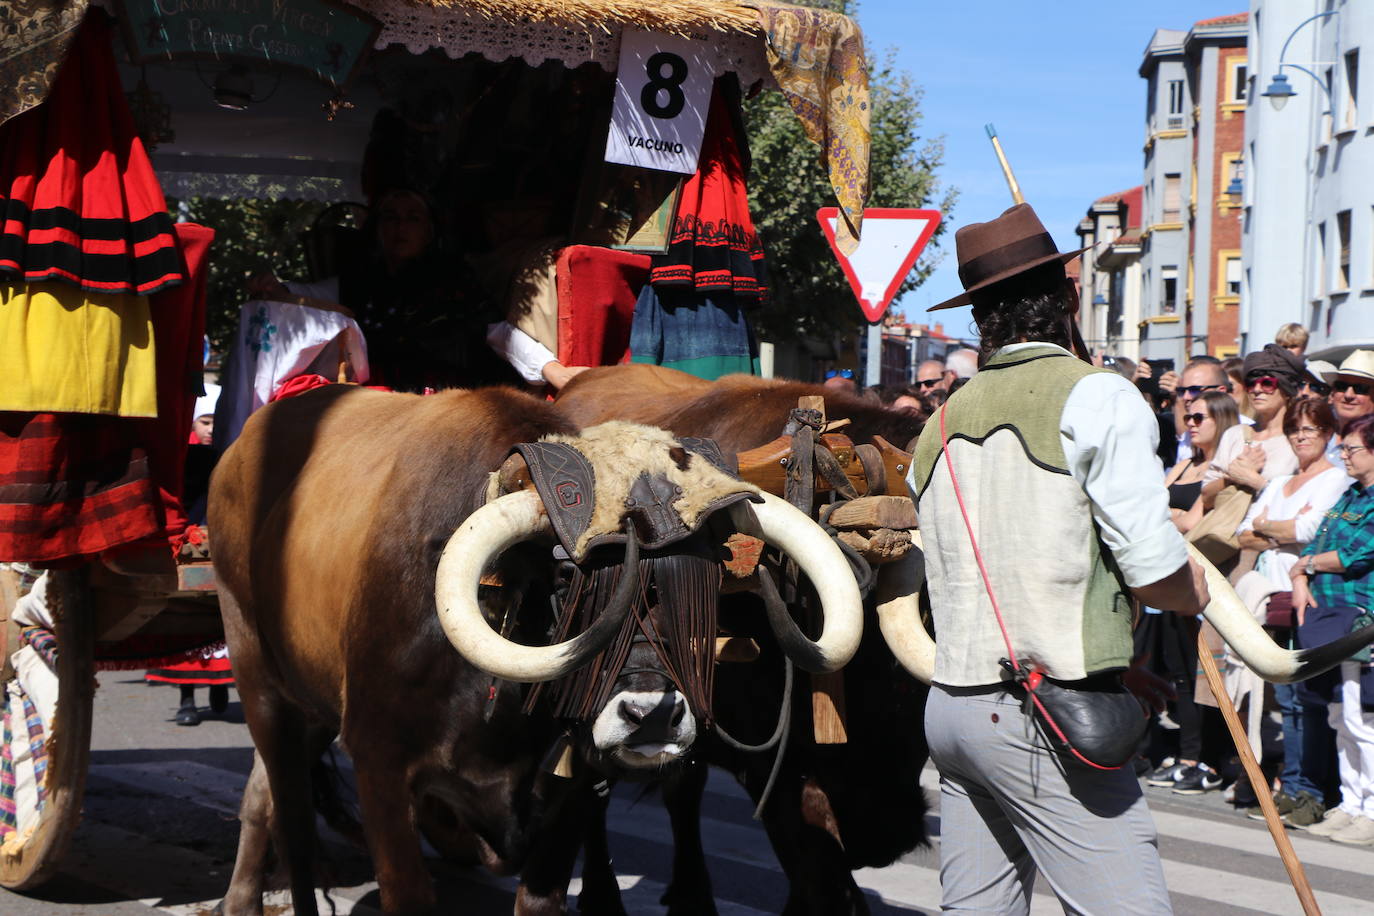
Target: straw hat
1359, 364
1321, 370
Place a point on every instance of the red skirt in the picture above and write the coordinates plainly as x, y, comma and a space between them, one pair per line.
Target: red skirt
206, 668
79, 201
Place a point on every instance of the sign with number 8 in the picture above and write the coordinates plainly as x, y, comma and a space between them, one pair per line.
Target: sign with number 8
663, 90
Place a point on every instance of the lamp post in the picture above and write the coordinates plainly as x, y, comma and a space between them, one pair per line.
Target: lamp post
1280, 91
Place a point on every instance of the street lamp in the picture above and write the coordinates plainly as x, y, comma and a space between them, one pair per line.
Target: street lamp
1279, 91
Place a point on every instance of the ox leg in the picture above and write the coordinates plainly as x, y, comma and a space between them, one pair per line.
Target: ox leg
283, 742
801, 827
389, 819
600, 891
689, 891
548, 870
246, 885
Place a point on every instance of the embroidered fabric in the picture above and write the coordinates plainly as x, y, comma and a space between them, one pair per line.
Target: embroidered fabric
421, 27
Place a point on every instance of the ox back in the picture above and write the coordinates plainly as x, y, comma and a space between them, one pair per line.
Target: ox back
834, 807
329, 515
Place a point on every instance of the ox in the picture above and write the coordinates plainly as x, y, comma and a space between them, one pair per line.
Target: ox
833, 808
353, 537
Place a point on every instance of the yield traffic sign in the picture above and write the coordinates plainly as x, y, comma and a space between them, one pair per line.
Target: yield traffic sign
892, 240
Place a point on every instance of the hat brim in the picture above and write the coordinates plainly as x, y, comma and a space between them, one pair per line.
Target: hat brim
1353, 373
963, 298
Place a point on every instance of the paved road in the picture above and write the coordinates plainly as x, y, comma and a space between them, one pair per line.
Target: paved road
160, 828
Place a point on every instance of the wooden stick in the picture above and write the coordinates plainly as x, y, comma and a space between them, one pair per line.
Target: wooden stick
1296, 874
1006, 166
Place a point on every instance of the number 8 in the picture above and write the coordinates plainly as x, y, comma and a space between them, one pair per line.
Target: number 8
671, 84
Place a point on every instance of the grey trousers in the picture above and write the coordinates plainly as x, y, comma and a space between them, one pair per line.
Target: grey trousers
1009, 807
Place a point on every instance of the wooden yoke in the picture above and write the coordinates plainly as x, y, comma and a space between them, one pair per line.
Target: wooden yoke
881, 463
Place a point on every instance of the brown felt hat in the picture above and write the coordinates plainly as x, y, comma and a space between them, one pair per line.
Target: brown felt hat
1002, 248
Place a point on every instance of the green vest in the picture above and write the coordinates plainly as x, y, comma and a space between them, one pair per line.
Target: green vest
1061, 595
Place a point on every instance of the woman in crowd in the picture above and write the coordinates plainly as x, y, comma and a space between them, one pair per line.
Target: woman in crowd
1170, 640
1280, 523
1234, 367
1333, 592
1251, 458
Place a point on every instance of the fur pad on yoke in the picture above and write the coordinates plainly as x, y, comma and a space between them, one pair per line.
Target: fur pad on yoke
622, 453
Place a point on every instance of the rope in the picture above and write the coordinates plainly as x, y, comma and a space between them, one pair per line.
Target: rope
1028, 679
779, 738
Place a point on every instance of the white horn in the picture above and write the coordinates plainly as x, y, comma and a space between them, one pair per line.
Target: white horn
781, 524
1228, 614
481, 537
899, 612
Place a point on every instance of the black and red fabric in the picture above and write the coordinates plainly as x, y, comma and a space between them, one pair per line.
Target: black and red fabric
79, 201
713, 246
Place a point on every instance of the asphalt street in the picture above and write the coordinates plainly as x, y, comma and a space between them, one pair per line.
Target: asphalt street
160, 827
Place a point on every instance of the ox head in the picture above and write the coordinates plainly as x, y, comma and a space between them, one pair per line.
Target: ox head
640, 519
899, 620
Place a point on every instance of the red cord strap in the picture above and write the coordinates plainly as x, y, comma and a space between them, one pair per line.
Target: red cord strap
1030, 679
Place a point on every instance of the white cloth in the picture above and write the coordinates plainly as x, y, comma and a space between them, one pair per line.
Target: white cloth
522, 351
1307, 506
1279, 458
205, 404
277, 341
1354, 744
1110, 437
1254, 591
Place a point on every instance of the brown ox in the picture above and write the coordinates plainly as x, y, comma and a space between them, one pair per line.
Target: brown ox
834, 807
351, 534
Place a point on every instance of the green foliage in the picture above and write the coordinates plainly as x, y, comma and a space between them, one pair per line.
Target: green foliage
250, 236
788, 185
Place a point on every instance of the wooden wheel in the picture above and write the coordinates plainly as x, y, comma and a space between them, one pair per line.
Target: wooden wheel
45, 711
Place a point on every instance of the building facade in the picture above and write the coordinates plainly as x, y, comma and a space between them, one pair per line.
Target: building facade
1308, 243
1111, 282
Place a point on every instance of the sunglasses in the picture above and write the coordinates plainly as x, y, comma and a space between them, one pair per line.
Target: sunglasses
1190, 419
1266, 384
927, 383
1354, 387
842, 373
1192, 391
1320, 389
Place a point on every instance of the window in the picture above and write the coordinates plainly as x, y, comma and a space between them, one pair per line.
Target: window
1169, 304
1326, 128
1352, 89
1175, 97
1238, 75
1319, 275
1172, 199
1343, 261
1232, 275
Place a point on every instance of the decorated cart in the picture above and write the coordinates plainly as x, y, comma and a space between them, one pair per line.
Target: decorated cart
564, 141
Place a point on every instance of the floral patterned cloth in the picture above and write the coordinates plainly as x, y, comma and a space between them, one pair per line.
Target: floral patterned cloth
34, 38
817, 58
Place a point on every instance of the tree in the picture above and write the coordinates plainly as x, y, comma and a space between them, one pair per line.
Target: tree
787, 185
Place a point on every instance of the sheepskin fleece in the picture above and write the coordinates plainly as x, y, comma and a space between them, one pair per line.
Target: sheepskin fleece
621, 451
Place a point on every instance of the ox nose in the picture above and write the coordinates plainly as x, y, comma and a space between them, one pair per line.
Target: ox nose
654, 721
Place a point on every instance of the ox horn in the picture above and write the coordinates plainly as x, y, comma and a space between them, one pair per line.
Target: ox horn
899, 612
484, 535
781, 524
1229, 615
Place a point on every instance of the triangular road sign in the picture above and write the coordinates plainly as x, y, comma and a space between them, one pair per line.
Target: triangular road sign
892, 240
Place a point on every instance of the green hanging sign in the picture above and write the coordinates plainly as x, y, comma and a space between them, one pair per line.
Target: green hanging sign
324, 37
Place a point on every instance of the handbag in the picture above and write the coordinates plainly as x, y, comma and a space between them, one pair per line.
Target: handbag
1215, 536
1097, 721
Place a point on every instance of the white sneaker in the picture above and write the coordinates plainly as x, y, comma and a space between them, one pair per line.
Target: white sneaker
1335, 819
1359, 832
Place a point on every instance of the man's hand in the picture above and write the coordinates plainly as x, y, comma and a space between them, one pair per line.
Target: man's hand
1168, 382
1150, 689
1143, 370
1183, 591
558, 375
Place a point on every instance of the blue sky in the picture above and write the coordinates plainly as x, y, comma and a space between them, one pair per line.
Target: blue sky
1059, 81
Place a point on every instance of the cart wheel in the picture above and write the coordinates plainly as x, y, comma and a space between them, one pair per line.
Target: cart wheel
45, 708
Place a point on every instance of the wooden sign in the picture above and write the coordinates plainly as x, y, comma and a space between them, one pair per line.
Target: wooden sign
325, 38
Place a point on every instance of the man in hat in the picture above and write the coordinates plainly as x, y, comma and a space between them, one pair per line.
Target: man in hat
1352, 386
1058, 484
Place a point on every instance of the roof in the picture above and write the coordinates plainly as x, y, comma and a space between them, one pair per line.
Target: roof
1130, 198
1233, 19
661, 15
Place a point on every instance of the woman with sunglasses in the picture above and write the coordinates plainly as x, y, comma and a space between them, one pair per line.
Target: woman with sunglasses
1333, 593
1280, 523
1271, 381
1211, 415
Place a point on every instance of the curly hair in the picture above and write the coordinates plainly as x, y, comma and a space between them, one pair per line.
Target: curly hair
1029, 306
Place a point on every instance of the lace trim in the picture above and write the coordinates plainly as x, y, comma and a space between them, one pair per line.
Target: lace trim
420, 28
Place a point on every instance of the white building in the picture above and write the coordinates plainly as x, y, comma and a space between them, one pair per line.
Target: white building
1308, 241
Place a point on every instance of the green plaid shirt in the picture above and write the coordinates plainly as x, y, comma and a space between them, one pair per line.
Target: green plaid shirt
1348, 530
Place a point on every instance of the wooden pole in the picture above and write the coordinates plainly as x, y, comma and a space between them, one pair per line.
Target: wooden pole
1006, 166
1296, 874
